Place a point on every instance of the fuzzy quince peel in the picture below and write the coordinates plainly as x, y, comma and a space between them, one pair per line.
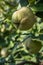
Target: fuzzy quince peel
33, 45
24, 18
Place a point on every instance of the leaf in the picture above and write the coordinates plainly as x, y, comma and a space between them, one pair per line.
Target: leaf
31, 1
38, 7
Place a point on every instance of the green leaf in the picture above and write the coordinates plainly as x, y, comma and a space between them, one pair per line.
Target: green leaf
38, 7
31, 1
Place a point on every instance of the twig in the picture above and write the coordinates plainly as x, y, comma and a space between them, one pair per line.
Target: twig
28, 62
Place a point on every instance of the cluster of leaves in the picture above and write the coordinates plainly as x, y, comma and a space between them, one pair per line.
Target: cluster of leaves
10, 38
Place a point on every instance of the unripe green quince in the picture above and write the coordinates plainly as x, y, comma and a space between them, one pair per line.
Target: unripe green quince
24, 18
33, 45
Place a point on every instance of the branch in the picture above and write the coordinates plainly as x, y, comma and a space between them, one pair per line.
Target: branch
29, 62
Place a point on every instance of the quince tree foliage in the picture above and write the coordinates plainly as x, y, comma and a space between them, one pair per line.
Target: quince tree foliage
21, 31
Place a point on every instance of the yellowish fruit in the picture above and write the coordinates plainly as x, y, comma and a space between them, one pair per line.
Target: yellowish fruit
32, 45
24, 18
4, 52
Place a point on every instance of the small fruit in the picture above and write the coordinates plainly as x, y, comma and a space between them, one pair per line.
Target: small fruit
4, 52
32, 45
24, 18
